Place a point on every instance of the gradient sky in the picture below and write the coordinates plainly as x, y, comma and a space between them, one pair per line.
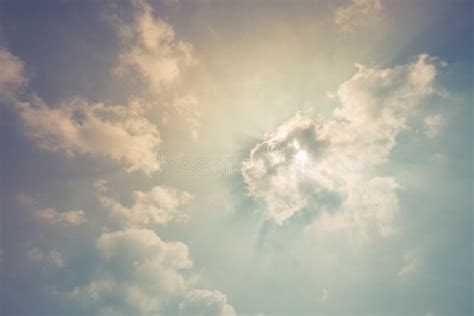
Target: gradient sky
236, 157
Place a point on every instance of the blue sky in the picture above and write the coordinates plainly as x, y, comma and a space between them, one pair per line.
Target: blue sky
236, 158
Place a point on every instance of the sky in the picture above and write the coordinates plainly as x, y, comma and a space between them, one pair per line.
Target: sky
236, 157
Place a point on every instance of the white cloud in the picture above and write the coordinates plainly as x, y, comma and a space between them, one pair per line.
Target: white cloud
356, 13
142, 273
150, 48
432, 125
325, 166
439, 158
325, 295
11, 75
274, 173
50, 215
410, 263
135, 244
186, 107
369, 207
121, 133
71, 217
160, 205
54, 257
201, 302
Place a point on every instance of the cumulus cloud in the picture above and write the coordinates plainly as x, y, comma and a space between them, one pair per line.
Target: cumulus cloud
149, 47
12, 76
160, 205
432, 125
142, 273
323, 166
71, 217
355, 13
201, 302
121, 133
275, 174
54, 257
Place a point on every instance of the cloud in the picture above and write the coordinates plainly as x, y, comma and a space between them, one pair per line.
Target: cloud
12, 76
439, 158
369, 206
142, 273
325, 295
133, 244
25, 200
432, 125
201, 302
324, 166
121, 133
54, 257
186, 107
411, 262
356, 13
149, 47
71, 217
50, 215
275, 174
160, 205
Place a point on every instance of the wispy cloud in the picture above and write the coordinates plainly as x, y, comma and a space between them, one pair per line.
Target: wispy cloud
71, 217
50, 215
325, 295
149, 48
432, 125
410, 263
355, 13
12, 76
54, 257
